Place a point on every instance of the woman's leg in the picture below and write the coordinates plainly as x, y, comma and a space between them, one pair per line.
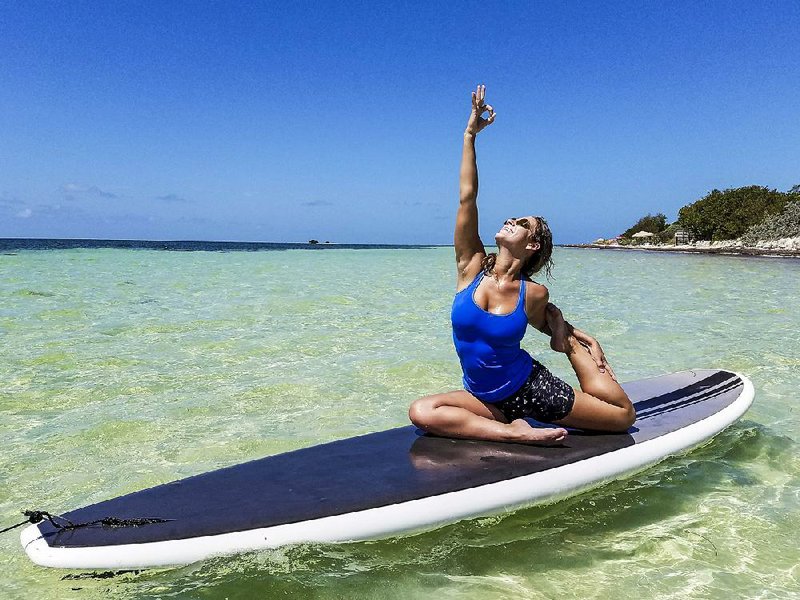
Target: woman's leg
601, 403
459, 414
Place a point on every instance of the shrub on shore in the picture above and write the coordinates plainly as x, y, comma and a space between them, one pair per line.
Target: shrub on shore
668, 235
651, 223
729, 214
775, 227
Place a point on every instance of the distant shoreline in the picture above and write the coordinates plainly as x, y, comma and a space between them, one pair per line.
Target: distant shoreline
16, 244
723, 250
11, 245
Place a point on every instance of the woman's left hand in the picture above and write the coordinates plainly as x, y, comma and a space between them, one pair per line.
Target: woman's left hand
596, 351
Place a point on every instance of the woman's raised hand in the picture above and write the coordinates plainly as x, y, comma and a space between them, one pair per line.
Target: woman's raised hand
476, 121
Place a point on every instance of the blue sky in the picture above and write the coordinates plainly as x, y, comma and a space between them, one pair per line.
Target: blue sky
342, 121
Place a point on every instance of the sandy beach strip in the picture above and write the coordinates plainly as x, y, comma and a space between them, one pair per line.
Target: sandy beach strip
777, 249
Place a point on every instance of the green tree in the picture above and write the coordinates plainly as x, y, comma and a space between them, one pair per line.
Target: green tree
726, 215
649, 223
785, 224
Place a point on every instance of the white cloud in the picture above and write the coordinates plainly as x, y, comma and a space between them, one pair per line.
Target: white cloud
86, 190
25, 213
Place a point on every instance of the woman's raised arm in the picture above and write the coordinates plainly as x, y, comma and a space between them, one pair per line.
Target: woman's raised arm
467, 242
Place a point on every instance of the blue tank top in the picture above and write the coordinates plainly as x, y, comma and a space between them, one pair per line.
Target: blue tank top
488, 345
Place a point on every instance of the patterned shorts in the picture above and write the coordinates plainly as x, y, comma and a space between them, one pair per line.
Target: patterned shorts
543, 397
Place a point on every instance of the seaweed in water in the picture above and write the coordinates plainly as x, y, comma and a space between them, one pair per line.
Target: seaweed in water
100, 575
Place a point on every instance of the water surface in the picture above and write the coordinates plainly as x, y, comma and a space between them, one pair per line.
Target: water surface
127, 368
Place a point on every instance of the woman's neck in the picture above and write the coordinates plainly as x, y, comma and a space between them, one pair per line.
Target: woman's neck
506, 267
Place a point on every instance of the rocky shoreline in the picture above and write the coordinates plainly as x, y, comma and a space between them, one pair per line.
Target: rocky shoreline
784, 248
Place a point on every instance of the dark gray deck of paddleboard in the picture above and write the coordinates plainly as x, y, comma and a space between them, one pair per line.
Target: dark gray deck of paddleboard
377, 469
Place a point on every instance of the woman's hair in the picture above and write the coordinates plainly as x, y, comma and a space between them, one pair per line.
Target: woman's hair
541, 259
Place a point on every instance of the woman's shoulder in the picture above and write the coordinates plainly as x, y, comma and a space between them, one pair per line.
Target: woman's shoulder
535, 292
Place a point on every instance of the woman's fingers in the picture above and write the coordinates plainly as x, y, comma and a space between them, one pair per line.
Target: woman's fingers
479, 108
479, 96
595, 351
600, 360
611, 371
607, 368
597, 354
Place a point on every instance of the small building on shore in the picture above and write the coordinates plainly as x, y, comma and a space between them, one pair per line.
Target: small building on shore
642, 236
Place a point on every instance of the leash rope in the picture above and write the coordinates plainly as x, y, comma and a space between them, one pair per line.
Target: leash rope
37, 516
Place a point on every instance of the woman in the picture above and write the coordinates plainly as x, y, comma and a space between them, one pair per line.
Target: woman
495, 302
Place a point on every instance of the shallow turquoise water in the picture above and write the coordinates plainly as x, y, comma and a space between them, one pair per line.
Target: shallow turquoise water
123, 369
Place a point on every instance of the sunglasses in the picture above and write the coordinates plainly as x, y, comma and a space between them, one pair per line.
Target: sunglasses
521, 222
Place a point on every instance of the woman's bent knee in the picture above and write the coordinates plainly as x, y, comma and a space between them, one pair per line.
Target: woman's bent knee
630, 417
421, 412
625, 419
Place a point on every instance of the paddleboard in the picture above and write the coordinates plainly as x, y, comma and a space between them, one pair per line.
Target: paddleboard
381, 484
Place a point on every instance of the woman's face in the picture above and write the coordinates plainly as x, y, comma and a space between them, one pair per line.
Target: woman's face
518, 232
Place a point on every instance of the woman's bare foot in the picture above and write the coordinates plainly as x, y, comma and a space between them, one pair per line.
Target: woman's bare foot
536, 435
558, 327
